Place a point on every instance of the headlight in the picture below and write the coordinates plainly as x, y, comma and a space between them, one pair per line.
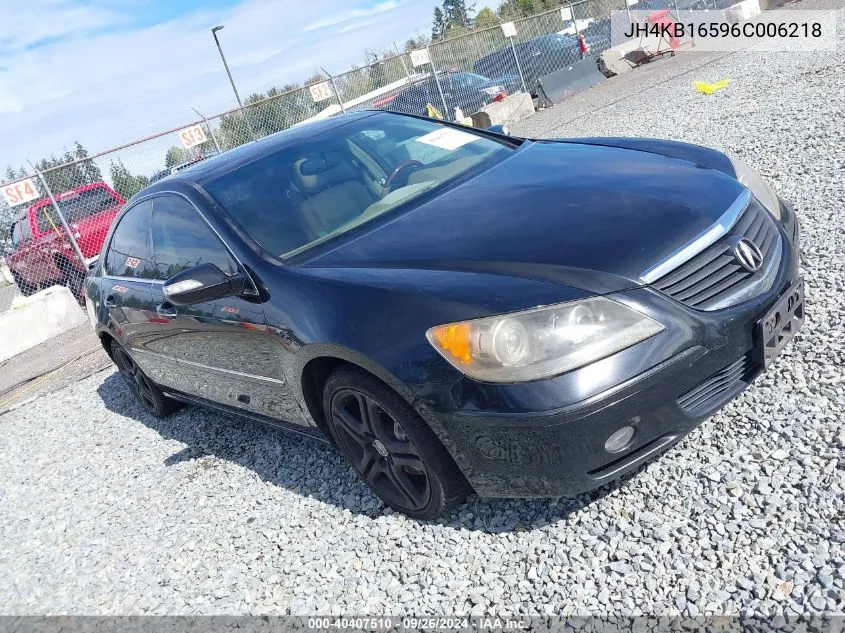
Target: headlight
759, 187
493, 90
542, 342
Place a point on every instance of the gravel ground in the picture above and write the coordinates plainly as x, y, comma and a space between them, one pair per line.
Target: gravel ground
109, 511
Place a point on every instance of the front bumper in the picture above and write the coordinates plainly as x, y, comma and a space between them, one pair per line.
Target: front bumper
547, 438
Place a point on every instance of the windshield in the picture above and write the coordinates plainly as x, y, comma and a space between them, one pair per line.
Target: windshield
303, 195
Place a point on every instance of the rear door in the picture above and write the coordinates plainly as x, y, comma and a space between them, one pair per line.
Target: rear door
223, 346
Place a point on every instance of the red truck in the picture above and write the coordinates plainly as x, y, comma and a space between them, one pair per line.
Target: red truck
42, 255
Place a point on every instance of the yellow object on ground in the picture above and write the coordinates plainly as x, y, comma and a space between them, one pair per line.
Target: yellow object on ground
709, 89
433, 112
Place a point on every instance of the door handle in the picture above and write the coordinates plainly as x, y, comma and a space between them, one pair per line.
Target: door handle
166, 310
110, 302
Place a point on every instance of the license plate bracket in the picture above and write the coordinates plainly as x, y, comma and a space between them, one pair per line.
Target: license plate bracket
780, 324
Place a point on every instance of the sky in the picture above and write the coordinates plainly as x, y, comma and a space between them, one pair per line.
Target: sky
106, 72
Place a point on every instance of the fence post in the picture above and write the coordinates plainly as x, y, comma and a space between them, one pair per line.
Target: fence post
334, 87
402, 59
61, 215
518, 65
575, 24
439, 89
208, 127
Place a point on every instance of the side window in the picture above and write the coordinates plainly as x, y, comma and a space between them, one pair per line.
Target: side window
26, 229
16, 234
182, 239
129, 252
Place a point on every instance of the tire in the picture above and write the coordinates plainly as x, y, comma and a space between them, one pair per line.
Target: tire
25, 287
390, 447
72, 278
146, 392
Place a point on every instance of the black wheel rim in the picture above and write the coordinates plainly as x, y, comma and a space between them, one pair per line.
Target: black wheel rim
379, 450
138, 383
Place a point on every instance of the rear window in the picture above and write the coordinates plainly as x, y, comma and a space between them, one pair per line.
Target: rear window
85, 203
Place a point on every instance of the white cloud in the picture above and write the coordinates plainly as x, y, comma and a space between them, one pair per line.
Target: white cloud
354, 26
105, 84
344, 16
28, 23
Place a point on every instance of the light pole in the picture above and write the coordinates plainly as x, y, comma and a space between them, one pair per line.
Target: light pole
225, 64
231, 80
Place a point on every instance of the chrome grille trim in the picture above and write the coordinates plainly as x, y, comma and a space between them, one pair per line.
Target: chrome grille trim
701, 241
717, 278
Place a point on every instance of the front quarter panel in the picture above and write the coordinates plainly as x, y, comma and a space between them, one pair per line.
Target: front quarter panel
378, 318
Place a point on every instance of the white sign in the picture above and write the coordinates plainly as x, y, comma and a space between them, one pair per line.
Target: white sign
192, 136
420, 57
631, 3
20, 192
565, 14
509, 29
321, 92
447, 138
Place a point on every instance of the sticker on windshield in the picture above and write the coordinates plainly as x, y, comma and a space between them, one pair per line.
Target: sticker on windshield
447, 138
132, 262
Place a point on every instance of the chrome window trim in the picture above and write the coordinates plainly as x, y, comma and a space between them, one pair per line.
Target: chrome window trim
701, 241
158, 194
142, 280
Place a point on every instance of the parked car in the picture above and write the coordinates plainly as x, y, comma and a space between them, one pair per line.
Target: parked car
541, 55
453, 309
467, 91
173, 169
42, 255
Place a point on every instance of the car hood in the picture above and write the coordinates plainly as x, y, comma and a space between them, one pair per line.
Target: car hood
587, 216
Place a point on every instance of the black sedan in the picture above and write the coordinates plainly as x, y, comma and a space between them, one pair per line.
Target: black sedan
453, 309
458, 90
542, 55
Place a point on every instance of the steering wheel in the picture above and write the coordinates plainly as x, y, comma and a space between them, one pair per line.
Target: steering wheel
404, 165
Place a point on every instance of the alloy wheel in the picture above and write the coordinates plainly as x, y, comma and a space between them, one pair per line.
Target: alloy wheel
135, 378
379, 449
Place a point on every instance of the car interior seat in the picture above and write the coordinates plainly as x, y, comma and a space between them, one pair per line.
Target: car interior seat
332, 192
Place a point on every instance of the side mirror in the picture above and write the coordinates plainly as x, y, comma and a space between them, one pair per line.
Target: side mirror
205, 282
500, 128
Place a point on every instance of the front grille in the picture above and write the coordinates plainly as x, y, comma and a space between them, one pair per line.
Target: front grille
718, 388
714, 278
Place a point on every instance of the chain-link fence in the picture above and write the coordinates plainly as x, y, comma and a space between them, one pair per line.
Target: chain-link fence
55, 219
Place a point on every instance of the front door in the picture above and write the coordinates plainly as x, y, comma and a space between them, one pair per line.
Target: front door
222, 346
128, 293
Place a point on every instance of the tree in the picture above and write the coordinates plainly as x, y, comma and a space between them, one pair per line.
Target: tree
419, 40
63, 174
174, 156
457, 14
485, 18
438, 29
515, 9
126, 183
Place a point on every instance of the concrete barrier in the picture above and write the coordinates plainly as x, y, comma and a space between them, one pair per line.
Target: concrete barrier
512, 108
5, 273
742, 11
565, 82
38, 318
